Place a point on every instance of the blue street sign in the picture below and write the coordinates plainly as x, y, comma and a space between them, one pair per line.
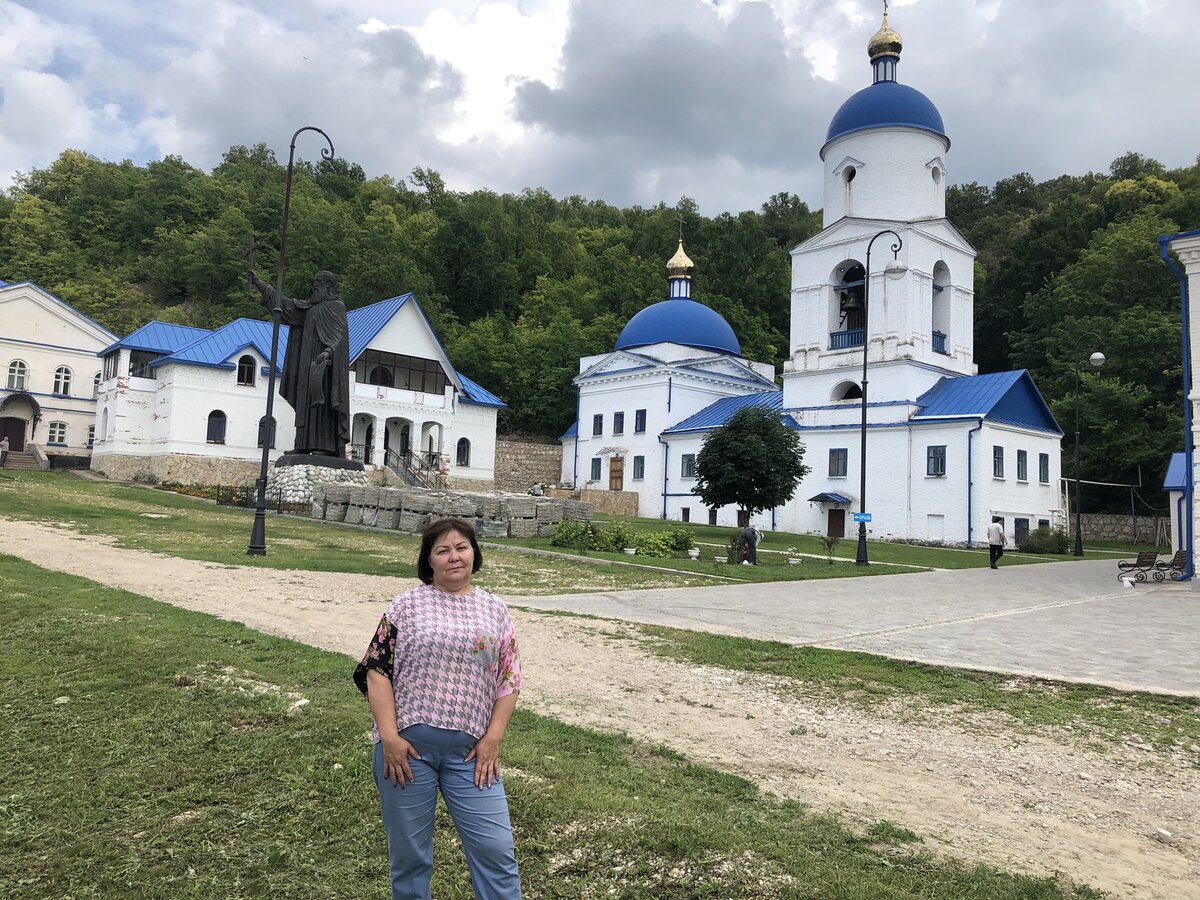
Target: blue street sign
862, 517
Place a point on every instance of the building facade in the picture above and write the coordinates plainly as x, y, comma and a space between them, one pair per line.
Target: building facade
49, 374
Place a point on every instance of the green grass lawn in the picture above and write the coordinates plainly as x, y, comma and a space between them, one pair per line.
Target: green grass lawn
148, 754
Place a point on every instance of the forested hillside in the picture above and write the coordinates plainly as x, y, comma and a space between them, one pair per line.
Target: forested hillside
520, 286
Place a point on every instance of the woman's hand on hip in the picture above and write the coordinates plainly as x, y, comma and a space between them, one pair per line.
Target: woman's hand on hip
396, 751
486, 754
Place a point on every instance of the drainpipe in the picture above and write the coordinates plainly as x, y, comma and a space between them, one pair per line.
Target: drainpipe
1164, 251
666, 454
1179, 519
971, 482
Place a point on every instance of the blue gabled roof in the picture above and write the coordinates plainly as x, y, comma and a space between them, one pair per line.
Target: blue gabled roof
367, 321
473, 393
1176, 478
158, 337
572, 432
215, 348
718, 413
1007, 397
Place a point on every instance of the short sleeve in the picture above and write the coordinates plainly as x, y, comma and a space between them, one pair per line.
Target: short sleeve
380, 655
509, 679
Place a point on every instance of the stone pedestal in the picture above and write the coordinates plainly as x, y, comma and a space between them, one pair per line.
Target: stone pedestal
296, 481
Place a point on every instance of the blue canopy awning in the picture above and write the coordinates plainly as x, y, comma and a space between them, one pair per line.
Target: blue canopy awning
829, 497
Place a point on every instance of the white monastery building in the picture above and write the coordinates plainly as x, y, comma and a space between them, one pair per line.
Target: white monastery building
50, 375
948, 449
188, 404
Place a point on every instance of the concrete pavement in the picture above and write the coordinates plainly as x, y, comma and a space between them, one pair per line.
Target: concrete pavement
1071, 621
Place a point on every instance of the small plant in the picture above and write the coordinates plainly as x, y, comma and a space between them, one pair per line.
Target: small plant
680, 539
736, 547
653, 543
577, 536
1044, 540
829, 542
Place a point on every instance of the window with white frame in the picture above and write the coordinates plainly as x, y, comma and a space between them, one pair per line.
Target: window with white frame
935, 460
1022, 466
1044, 468
18, 375
245, 370
997, 461
687, 465
62, 381
639, 468
619, 423
96, 386
57, 433
597, 425
595, 473
91, 436
837, 462
110, 364
639, 421
139, 363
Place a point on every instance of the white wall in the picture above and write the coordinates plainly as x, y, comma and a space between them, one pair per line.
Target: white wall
893, 175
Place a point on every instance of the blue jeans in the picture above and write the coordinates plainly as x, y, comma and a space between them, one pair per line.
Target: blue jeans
481, 817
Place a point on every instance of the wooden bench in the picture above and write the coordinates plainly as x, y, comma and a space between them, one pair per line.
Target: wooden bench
1146, 564
1173, 568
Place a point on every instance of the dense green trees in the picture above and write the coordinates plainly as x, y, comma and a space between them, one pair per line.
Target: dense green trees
753, 461
519, 286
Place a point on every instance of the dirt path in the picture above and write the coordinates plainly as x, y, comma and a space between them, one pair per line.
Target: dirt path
1124, 821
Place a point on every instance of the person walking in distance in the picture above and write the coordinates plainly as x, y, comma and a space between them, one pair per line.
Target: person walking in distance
996, 540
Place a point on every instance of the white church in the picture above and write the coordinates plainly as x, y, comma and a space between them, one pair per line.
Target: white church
948, 449
176, 403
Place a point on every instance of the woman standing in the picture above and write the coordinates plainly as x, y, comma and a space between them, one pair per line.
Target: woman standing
442, 677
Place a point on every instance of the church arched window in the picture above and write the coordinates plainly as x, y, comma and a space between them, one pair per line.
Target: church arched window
940, 326
245, 370
463, 454
216, 427
847, 390
846, 306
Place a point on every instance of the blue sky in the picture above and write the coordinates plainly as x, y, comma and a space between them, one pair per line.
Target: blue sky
629, 101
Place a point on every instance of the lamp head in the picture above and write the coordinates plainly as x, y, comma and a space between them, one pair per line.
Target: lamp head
895, 270
1097, 359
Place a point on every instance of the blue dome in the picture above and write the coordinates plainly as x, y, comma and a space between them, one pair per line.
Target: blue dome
883, 104
680, 321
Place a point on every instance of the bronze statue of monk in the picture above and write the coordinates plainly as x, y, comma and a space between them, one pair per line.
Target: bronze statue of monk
316, 365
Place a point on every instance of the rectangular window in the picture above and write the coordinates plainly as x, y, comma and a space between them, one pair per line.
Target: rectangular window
110, 364
639, 421
91, 436
997, 461
139, 363
687, 466
596, 468
639, 468
1043, 523
58, 433
1044, 468
1023, 468
619, 423
686, 512
935, 460
837, 462
597, 425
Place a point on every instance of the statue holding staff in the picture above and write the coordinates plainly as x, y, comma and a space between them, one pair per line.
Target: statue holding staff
316, 365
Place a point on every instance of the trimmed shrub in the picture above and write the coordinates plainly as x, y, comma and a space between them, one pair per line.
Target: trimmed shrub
1044, 540
575, 535
654, 543
680, 539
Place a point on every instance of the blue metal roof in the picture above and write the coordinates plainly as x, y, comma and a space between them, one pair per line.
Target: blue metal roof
884, 104
572, 432
216, 348
473, 393
829, 497
367, 321
158, 337
1007, 397
59, 300
718, 413
680, 321
1176, 478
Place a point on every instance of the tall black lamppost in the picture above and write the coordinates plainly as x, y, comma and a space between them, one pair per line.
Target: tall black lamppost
258, 536
895, 269
1097, 360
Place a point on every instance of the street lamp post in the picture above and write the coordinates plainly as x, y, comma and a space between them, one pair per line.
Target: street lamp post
258, 535
1097, 360
894, 269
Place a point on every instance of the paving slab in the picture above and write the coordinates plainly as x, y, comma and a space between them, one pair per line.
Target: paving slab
1072, 620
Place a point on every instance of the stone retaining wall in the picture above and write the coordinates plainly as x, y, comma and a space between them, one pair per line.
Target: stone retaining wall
1113, 527
613, 503
179, 467
412, 509
519, 466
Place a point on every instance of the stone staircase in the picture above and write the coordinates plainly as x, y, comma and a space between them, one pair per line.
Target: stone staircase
21, 460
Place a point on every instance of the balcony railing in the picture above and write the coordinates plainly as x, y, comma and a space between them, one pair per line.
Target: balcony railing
840, 340
939, 343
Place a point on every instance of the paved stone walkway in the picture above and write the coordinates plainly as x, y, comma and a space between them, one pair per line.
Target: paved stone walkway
1072, 621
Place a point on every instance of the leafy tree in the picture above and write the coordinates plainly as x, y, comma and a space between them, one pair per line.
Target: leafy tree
753, 460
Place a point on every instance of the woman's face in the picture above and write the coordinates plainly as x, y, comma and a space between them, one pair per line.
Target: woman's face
452, 560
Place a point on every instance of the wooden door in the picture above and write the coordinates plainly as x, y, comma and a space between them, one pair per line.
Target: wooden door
15, 429
837, 523
616, 474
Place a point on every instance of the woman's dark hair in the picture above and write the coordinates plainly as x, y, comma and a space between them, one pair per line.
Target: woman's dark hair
439, 529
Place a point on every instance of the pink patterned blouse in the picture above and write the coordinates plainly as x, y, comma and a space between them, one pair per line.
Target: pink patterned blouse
449, 657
